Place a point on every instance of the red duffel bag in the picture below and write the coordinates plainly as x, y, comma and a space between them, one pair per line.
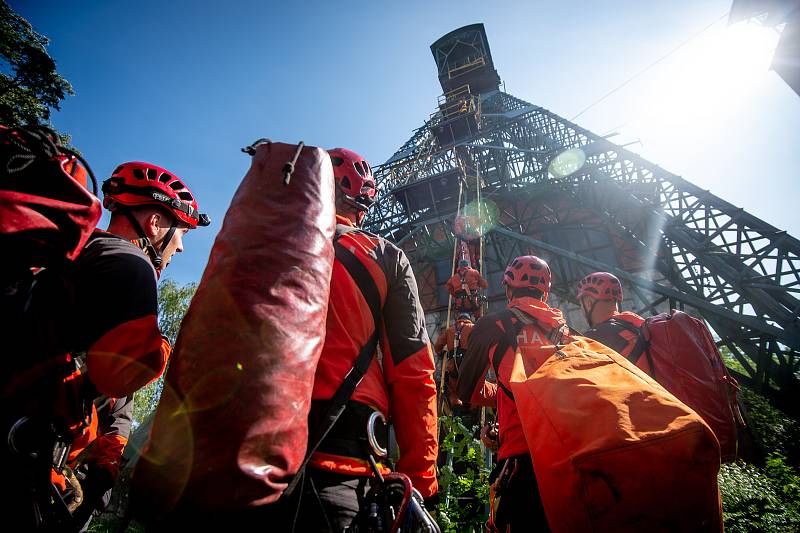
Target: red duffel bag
231, 425
46, 212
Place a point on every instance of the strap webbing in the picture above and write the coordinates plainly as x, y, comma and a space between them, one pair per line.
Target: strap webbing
642, 345
509, 340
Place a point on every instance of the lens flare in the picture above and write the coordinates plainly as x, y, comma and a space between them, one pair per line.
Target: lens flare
476, 219
566, 163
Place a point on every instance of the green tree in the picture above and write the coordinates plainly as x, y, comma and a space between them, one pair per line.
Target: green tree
29, 84
173, 301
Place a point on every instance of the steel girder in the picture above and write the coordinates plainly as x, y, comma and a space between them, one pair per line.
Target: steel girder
670, 241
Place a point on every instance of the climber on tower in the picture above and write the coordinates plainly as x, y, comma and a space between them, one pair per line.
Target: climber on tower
464, 286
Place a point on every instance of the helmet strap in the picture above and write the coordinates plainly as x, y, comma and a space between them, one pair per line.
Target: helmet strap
361, 211
588, 314
168, 237
155, 255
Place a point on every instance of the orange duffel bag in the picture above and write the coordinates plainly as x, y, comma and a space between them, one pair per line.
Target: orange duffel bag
613, 450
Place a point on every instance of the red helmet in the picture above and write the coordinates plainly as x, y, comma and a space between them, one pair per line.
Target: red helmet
600, 286
528, 271
134, 184
354, 176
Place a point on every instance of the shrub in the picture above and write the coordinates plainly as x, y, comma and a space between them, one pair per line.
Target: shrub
463, 479
752, 503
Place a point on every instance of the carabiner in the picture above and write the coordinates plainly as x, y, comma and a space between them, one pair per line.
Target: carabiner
371, 438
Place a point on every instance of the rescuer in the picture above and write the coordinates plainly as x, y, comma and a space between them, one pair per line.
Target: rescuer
464, 286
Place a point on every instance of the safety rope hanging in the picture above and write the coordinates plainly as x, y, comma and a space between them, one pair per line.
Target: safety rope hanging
487, 455
481, 230
456, 245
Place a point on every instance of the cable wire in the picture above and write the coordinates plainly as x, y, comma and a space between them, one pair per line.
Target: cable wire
651, 65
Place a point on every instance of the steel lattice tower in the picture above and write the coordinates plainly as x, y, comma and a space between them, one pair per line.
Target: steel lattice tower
585, 204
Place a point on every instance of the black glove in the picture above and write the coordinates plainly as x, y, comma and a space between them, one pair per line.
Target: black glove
95, 481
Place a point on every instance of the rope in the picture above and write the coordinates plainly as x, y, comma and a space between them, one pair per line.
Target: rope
482, 228
288, 168
450, 299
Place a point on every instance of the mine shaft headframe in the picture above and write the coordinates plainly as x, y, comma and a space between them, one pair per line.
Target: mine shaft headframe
463, 58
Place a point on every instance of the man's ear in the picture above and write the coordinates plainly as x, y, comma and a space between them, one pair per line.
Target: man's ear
153, 224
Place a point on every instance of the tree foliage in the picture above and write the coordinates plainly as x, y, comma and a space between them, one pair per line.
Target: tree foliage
29, 84
760, 500
463, 480
764, 498
173, 301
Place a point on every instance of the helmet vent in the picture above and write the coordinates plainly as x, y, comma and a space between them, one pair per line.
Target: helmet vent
346, 182
336, 161
359, 168
138, 173
164, 177
152, 174
185, 195
176, 185
118, 170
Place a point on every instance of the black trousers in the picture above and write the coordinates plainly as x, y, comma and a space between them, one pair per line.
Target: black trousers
520, 506
327, 503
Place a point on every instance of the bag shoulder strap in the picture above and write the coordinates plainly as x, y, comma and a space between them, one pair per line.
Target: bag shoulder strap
338, 402
509, 340
642, 345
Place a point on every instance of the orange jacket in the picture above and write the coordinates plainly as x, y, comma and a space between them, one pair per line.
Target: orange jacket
109, 311
448, 336
399, 383
466, 278
106, 306
534, 344
615, 337
104, 444
116, 287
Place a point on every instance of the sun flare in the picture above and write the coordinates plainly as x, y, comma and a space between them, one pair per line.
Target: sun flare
705, 80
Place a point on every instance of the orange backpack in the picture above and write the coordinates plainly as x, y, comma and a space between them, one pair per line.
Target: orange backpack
613, 450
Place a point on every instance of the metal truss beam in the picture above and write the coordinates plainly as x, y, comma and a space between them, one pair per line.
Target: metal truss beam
671, 241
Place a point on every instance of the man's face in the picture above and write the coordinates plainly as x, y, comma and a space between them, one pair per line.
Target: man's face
175, 244
346, 209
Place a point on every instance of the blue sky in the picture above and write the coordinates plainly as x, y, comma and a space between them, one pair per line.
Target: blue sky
186, 84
